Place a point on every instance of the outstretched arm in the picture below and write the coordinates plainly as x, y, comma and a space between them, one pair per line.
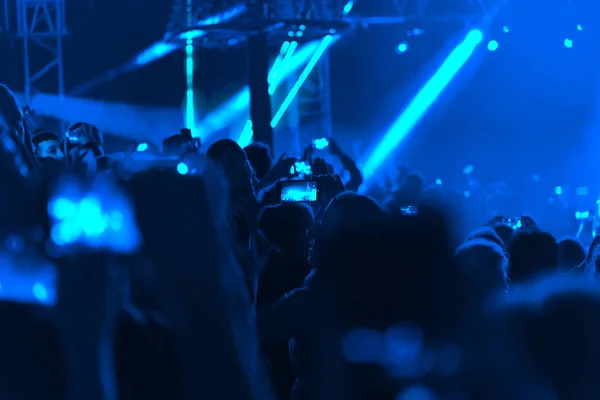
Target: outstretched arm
356, 178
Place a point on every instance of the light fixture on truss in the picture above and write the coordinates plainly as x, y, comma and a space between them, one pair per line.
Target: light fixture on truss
225, 23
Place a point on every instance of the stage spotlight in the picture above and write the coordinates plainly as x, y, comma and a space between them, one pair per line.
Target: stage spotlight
402, 48
492, 45
506, 29
568, 43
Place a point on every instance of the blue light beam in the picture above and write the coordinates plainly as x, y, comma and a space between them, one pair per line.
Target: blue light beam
424, 99
276, 76
312, 63
189, 75
286, 52
230, 110
246, 135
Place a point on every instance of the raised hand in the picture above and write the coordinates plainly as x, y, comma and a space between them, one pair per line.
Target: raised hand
329, 186
280, 170
308, 152
319, 166
333, 147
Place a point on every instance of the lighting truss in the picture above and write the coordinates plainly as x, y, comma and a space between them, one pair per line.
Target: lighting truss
277, 18
41, 26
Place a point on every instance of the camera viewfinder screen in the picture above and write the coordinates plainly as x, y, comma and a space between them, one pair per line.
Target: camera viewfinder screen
298, 191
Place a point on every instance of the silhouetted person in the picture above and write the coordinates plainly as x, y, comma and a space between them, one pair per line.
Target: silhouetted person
532, 254
483, 267
259, 156
488, 234
504, 232
15, 137
542, 342
285, 225
570, 253
409, 193
202, 290
252, 247
10, 112
371, 271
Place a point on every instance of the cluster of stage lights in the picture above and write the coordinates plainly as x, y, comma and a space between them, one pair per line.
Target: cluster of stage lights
300, 32
493, 44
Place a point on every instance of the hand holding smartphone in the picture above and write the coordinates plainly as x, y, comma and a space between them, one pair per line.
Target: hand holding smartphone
297, 191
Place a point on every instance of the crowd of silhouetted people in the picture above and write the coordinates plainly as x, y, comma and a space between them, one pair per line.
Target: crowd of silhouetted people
230, 293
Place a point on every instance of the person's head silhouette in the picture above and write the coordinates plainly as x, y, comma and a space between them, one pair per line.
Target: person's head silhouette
259, 156
343, 217
532, 254
488, 234
483, 267
285, 225
570, 253
232, 159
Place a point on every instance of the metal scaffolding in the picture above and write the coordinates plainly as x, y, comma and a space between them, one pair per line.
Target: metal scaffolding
259, 24
226, 23
41, 26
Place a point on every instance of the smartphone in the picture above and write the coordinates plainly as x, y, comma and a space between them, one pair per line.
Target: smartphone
320, 144
297, 191
26, 279
78, 133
